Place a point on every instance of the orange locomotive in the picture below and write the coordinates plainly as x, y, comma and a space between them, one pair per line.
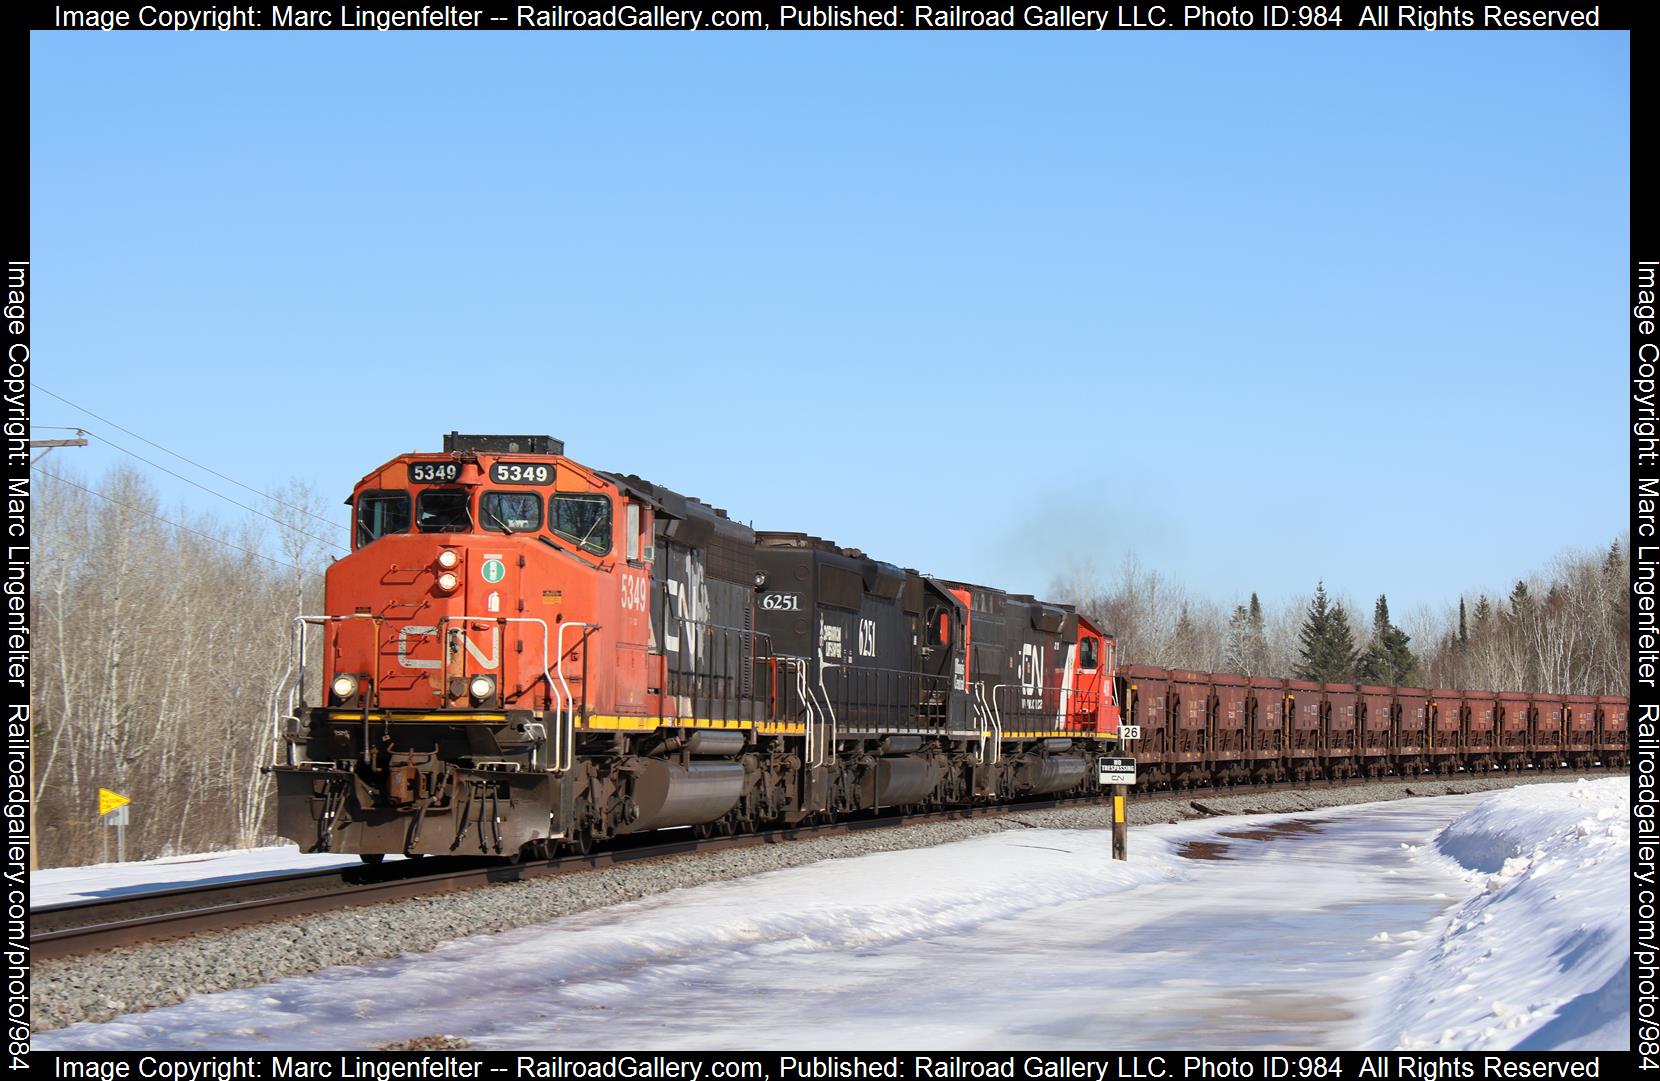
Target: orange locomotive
522, 654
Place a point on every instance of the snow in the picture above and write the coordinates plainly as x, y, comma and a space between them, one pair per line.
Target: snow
63, 885
1537, 955
1473, 922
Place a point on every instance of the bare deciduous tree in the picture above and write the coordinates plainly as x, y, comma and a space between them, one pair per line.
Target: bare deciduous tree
161, 663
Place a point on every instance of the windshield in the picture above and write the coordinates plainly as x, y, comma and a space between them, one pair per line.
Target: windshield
512, 512
585, 519
380, 513
442, 510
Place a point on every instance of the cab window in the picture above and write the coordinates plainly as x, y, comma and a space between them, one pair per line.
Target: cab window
510, 512
380, 513
442, 510
939, 627
585, 519
1089, 654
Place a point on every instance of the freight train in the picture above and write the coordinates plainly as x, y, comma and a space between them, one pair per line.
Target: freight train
1213, 729
522, 655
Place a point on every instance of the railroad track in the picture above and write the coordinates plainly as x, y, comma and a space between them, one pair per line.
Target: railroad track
79, 927
92, 926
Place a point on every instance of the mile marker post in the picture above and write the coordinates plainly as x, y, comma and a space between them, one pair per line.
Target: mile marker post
1117, 775
1120, 824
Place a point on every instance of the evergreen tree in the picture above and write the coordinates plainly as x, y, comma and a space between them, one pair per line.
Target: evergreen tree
1463, 626
1328, 645
1258, 639
1613, 564
1184, 643
1246, 649
1235, 652
1387, 660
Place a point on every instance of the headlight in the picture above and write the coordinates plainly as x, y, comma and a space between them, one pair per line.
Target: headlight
448, 581
448, 558
482, 687
344, 686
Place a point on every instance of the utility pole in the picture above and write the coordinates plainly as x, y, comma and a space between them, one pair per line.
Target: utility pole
46, 446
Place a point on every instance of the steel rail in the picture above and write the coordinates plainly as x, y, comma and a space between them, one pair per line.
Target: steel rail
191, 909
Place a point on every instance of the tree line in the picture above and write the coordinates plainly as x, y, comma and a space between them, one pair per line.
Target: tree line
1565, 630
161, 663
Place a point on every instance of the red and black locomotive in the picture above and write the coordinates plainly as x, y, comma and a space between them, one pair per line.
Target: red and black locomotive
521, 654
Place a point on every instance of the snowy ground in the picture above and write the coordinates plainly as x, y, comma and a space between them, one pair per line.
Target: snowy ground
1539, 956
60, 885
1483, 922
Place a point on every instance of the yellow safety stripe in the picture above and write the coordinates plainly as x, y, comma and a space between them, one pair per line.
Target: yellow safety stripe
358, 715
604, 722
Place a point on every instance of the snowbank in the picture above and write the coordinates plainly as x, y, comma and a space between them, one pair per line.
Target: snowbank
1537, 958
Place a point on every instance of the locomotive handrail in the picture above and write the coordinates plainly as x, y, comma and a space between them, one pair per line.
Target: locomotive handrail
1071, 701
868, 695
799, 666
702, 672
985, 719
443, 635
829, 710
296, 698
997, 717
301, 622
565, 715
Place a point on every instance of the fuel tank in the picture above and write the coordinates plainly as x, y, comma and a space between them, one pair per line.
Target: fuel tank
1057, 773
898, 781
669, 794
715, 744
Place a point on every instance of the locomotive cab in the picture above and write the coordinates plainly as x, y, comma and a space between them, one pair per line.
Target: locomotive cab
455, 649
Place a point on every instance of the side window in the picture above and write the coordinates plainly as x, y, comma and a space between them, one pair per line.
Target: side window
633, 531
1089, 653
442, 510
939, 627
380, 513
510, 512
585, 519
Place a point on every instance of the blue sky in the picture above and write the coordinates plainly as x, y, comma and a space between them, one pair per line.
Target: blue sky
1260, 308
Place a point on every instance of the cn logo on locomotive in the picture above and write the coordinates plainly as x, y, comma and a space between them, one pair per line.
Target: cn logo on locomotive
410, 631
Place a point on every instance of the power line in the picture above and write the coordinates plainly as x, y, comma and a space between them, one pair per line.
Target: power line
164, 521
221, 495
182, 458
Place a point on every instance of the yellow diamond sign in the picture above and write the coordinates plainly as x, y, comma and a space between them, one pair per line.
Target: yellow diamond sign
109, 801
